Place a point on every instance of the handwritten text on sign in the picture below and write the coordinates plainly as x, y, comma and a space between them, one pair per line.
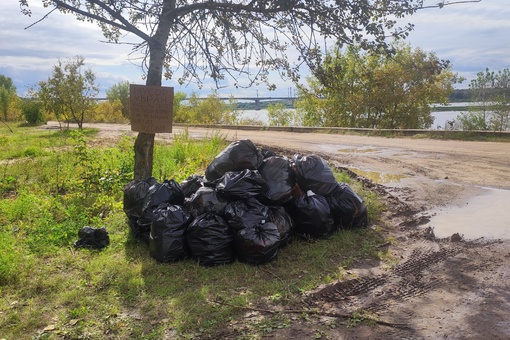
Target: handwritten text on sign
151, 108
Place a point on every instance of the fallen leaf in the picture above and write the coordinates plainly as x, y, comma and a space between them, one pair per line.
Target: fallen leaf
73, 322
49, 328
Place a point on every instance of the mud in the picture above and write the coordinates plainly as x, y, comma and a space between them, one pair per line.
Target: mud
437, 287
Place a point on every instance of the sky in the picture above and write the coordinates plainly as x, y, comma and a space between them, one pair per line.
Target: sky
473, 36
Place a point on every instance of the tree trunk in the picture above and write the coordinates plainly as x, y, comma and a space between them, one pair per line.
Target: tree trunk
144, 152
144, 144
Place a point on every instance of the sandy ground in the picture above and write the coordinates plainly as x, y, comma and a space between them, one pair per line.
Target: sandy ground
438, 288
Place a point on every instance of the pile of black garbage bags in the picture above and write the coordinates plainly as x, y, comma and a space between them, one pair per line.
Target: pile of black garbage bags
250, 203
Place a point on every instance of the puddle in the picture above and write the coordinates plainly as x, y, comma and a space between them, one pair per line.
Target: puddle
358, 150
367, 150
378, 177
486, 215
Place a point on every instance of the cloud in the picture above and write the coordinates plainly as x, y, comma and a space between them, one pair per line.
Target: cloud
28, 55
472, 36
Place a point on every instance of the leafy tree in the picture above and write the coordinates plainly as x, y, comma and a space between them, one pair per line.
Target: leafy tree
480, 92
69, 92
363, 89
242, 39
109, 111
179, 97
210, 110
490, 97
31, 110
278, 116
7, 94
120, 92
501, 114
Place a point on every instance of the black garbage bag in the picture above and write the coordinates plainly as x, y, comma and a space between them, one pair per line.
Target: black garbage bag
314, 173
279, 179
167, 192
139, 228
348, 208
206, 200
191, 184
167, 242
266, 153
239, 155
245, 213
211, 240
280, 217
143, 224
235, 185
312, 216
94, 238
135, 193
258, 244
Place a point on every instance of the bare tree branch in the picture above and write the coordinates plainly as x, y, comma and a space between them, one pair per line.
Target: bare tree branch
44, 17
448, 3
313, 312
7, 126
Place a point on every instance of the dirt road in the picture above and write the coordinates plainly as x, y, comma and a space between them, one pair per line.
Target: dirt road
438, 288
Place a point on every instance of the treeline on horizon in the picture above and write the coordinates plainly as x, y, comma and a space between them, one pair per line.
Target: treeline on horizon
460, 95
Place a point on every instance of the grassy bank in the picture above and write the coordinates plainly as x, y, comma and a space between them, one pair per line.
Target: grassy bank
52, 183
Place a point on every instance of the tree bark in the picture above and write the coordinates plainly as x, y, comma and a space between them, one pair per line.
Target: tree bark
144, 154
144, 144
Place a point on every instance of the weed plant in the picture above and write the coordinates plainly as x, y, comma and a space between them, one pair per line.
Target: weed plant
51, 290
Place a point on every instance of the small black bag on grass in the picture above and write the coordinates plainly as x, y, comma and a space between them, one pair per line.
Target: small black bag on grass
135, 193
258, 244
245, 213
236, 185
206, 200
239, 155
348, 208
167, 242
312, 216
314, 173
283, 221
211, 240
95, 238
191, 184
279, 179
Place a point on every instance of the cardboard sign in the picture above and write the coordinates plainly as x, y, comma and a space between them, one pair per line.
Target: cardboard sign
151, 108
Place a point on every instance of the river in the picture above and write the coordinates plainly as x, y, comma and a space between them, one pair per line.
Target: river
440, 117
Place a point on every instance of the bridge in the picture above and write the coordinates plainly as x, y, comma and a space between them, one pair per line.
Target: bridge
257, 100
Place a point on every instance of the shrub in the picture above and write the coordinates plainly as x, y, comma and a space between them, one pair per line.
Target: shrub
31, 110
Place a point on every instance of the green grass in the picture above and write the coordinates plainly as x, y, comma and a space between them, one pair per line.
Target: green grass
121, 292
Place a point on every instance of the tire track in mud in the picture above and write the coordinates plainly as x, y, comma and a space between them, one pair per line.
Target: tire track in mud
415, 280
373, 293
